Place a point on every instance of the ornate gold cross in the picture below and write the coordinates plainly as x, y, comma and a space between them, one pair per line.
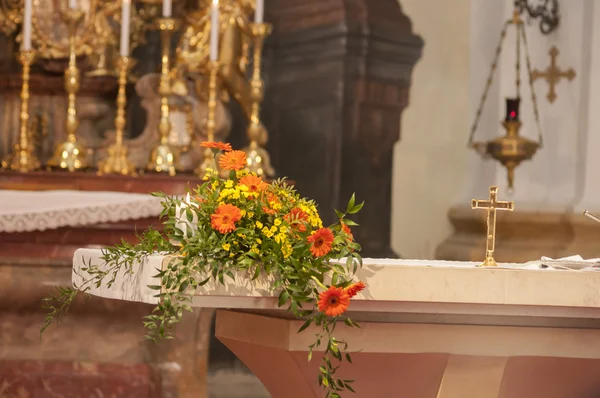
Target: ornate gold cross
552, 74
491, 205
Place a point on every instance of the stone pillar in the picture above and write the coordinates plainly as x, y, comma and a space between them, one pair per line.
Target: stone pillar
553, 189
338, 80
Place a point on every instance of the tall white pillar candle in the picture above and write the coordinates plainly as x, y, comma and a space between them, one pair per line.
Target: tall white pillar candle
72, 4
167, 8
125, 24
260, 11
27, 26
214, 30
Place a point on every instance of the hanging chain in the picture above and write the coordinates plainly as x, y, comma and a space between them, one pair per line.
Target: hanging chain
488, 84
518, 23
533, 96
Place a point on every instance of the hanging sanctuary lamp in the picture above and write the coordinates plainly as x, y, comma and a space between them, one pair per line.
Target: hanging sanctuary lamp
510, 149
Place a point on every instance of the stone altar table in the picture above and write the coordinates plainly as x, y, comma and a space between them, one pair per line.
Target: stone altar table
429, 329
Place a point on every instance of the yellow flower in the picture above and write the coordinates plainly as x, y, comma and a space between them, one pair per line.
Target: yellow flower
255, 250
242, 236
250, 214
259, 241
243, 212
277, 222
259, 225
231, 254
283, 229
228, 184
226, 246
273, 229
286, 250
268, 233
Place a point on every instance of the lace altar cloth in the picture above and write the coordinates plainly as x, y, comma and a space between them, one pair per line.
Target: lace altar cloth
26, 211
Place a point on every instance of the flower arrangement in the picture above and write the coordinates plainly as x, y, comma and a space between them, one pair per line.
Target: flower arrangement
243, 223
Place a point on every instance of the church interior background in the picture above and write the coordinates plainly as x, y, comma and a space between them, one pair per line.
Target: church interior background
376, 97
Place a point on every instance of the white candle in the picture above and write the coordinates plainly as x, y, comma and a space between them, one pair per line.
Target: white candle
260, 11
27, 27
167, 8
72, 4
214, 31
125, 21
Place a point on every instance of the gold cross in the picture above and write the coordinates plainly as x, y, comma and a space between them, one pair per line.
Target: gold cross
491, 205
552, 74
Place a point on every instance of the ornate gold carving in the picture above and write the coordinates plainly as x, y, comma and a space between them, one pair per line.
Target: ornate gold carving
491, 205
552, 75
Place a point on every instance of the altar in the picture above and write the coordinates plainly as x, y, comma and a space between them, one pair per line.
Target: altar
427, 329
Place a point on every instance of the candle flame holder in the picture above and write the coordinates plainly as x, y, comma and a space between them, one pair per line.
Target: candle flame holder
23, 157
208, 161
163, 158
70, 155
117, 161
258, 158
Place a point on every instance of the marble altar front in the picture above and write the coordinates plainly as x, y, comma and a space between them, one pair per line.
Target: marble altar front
429, 329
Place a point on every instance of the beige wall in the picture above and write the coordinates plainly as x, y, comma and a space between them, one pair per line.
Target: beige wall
431, 156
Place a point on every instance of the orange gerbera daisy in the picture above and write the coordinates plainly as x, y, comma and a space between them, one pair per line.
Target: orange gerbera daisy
225, 217
347, 231
254, 183
355, 288
321, 242
297, 218
333, 301
221, 146
233, 160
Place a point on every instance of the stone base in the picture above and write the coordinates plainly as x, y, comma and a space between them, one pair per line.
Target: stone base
520, 236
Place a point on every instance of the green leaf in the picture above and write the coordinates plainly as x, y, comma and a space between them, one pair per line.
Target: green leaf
283, 298
350, 223
356, 208
305, 326
339, 214
351, 203
188, 214
348, 358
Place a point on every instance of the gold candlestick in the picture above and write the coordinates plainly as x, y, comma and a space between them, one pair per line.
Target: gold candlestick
259, 160
117, 161
208, 161
164, 157
70, 155
23, 157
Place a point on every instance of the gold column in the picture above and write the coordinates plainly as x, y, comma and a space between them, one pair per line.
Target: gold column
208, 161
70, 155
23, 157
259, 160
117, 161
163, 158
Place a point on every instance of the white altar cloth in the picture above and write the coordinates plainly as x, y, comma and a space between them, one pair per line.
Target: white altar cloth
25, 211
396, 286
